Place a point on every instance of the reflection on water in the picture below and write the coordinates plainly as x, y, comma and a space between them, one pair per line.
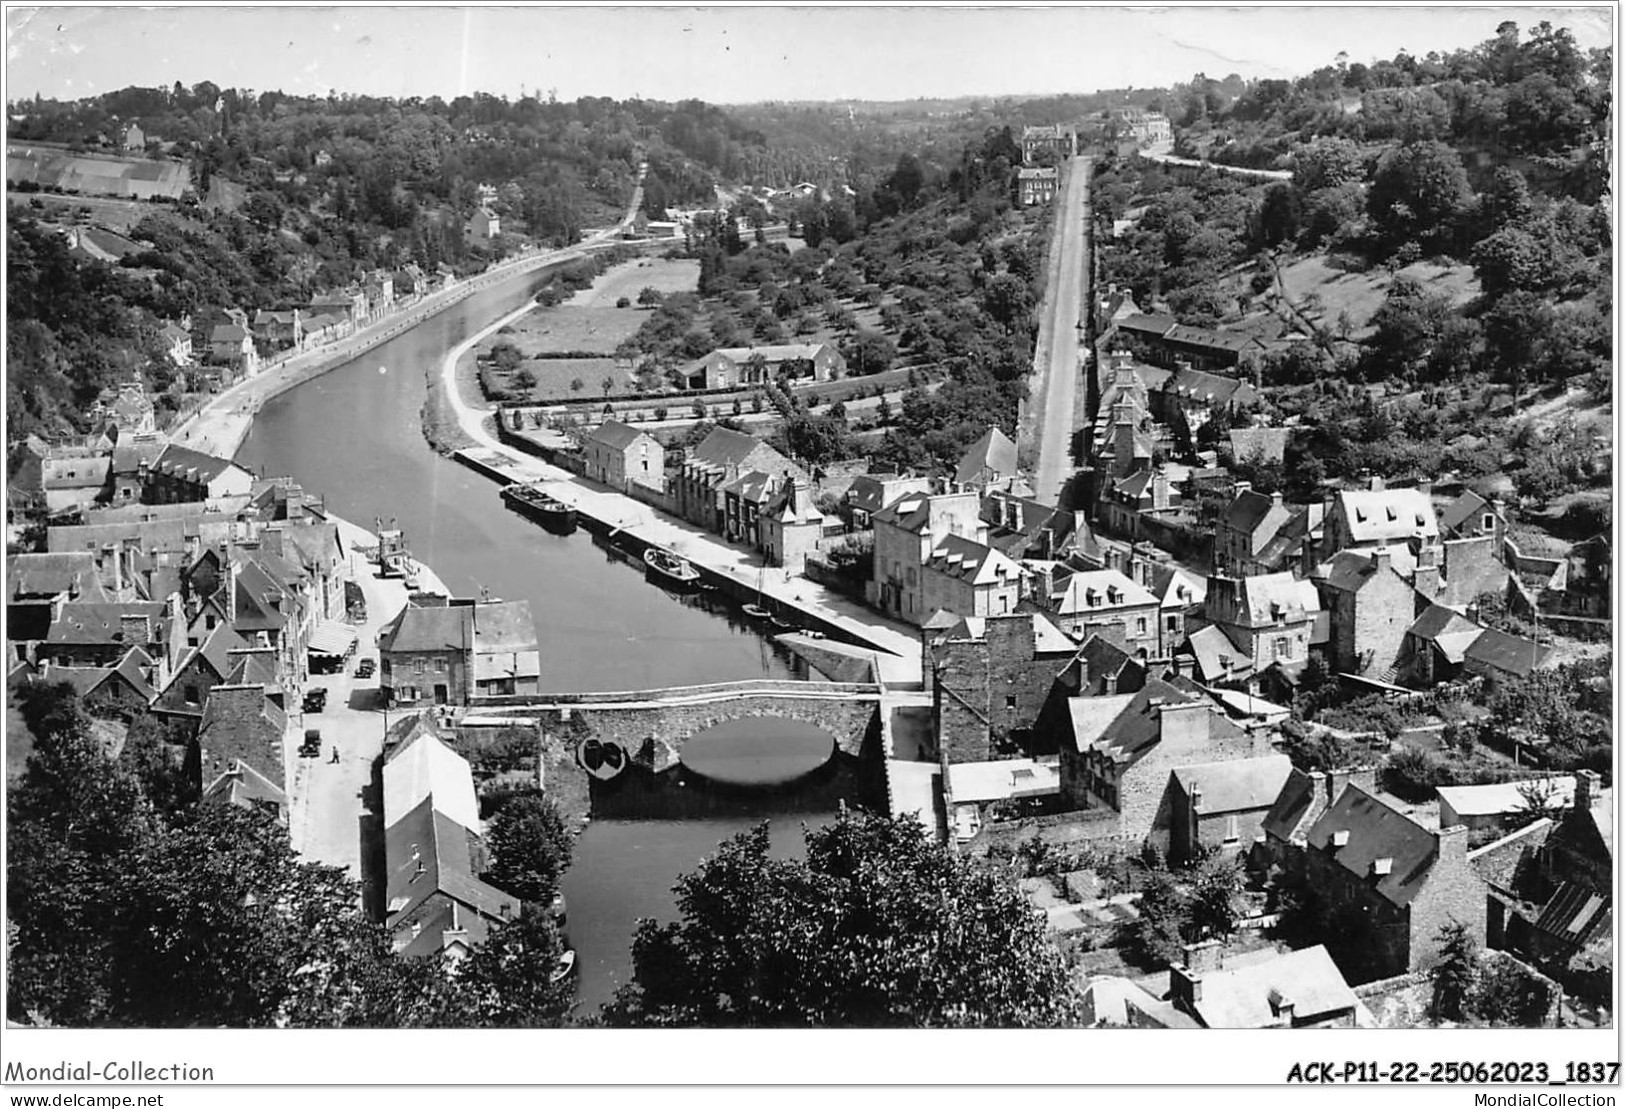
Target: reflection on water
762, 750
624, 870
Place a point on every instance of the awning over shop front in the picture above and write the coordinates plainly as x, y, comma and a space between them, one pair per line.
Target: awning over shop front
332, 638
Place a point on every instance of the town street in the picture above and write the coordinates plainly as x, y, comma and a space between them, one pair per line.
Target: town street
1061, 370
329, 807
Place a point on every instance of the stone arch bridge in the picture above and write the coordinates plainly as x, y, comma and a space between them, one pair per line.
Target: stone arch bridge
653, 725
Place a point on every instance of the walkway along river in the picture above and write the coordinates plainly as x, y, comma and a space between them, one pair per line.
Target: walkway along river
354, 436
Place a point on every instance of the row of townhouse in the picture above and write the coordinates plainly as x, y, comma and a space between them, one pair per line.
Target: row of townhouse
197, 612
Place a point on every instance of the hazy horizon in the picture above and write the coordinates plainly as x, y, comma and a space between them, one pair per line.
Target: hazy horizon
726, 55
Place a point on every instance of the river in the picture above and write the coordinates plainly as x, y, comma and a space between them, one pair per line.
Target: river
354, 436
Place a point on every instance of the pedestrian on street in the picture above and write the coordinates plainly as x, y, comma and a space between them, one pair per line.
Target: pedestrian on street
335, 757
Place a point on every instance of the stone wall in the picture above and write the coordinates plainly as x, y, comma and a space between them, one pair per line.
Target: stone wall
1453, 892
655, 734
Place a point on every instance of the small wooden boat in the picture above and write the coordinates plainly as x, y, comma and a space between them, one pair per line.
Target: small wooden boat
757, 612
552, 513
566, 967
781, 622
669, 570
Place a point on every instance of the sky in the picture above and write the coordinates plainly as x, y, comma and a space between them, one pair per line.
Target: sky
725, 53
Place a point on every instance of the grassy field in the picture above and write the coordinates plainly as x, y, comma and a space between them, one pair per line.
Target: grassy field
554, 375
1361, 294
119, 215
669, 275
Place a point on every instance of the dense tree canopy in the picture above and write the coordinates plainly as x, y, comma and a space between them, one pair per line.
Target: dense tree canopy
879, 927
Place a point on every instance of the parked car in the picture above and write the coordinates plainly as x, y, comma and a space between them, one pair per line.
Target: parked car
313, 743
366, 668
316, 700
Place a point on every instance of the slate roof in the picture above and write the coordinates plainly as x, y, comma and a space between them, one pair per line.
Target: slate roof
439, 628
1072, 593
615, 435
75, 473
1252, 996
1229, 341
751, 486
1092, 716
1104, 659
426, 769
1446, 629
242, 785
191, 465
1167, 580
993, 454
132, 452
1376, 831
972, 562
724, 446
1266, 599
1248, 510
445, 850
910, 513
1207, 387
1349, 570
97, 622
1291, 805
47, 575
1381, 515
1148, 324
779, 352
1510, 654
1468, 506
1237, 785
1217, 658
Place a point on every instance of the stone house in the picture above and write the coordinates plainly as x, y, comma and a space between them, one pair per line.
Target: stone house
1190, 397
96, 633
744, 500
75, 482
1298, 989
1385, 886
1435, 647
1058, 139
989, 463
133, 459
1036, 185
1245, 529
621, 456
207, 665
1130, 501
231, 345
181, 474
435, 903
177, 342
276, 331
730, 367
1379, 517
720, 458
1122, 748
1370, 607
906, 534
132, 411
869, 493
968, 578
351, 304
1198, 354
1180, 596
483, 226
1102, 602
1267, 618
240, 727
459, 652
1022, 527
1218, 806
121, 690
1470, 516
990, 678
791, 525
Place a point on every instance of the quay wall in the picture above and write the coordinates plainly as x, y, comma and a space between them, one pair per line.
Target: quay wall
609, 533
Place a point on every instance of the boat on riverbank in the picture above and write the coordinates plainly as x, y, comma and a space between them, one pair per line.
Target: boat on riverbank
529, 501
669, 570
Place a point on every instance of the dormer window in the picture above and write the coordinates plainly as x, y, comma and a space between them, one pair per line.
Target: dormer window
1382, 867
1340, 838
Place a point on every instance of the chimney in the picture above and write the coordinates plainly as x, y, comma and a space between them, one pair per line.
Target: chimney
1205, 957
1276, 500
134, 630
1284, 1007
1243, 487
1376, 484
1452, 844
1587, 788
1382, 559
1425, 488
